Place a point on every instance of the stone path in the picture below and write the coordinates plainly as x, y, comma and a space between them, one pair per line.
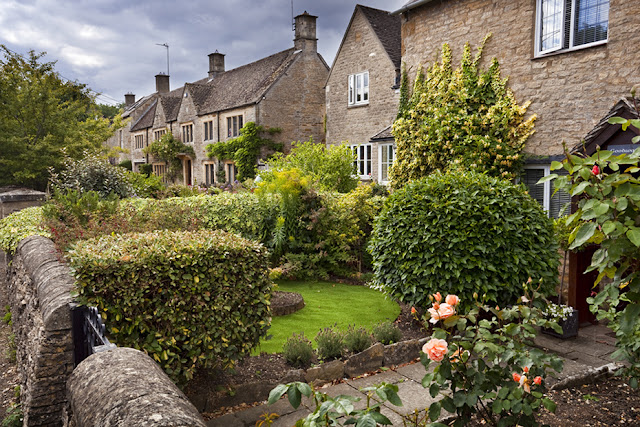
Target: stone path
586, 356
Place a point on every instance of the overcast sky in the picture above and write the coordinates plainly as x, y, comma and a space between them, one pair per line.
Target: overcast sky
111, 44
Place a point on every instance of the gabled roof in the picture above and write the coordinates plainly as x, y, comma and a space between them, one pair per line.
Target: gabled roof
131, 108
604, 132
384, 135
171, 104
387, 28
243, 85
146, 119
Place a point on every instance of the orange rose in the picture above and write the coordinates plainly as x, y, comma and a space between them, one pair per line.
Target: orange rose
537, 380
441, 312
437, 297
413, 310
452, 300
435, 349
516, 377
525, 369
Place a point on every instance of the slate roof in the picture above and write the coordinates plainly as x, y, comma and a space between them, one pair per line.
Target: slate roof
241, 86
383, 135
171, 104
623, 108
146, 119
131, 108
387, 29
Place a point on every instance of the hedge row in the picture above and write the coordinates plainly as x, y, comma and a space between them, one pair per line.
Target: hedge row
188, 299
20, 225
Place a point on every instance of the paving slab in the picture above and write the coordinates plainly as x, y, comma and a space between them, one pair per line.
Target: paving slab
290, 420
350, 390
389, 376
413, 397
414, 372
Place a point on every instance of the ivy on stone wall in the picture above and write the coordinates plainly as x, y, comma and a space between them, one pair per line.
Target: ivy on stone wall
167, 150
462, 118
245, 149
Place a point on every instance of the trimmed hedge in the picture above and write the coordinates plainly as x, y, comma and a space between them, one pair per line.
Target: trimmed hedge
188, 299
20, 225
460, 233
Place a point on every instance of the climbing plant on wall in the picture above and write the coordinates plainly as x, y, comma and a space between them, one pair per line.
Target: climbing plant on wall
245, 149
463, 118
167, 150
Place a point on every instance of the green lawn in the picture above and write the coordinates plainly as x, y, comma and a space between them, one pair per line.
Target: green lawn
326, 304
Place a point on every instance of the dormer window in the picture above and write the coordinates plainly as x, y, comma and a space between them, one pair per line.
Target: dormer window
570, 24
359, 88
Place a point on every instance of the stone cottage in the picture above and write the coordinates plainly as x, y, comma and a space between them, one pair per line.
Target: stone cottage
573, 59
362, 90
284, 90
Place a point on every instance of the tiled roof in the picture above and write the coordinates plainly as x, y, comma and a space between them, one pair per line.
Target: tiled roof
171, 104
623, 108
384, 134
387, 29
131, 108
241, 86
146, 119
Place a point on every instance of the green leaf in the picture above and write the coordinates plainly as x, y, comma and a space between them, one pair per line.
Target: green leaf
547, 178
633, 234
629, 318
578, 189
380, 419
459, 398
434, 411
276, 393
549, 405
616, 120
556, 165
584, 233
294, 397
448, 405
434, 389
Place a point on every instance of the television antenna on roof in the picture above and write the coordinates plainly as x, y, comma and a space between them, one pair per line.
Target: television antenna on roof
293, 22
167, 46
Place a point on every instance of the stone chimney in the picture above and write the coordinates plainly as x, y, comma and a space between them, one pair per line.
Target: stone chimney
162, 83
129, 99
306, 33
216, 64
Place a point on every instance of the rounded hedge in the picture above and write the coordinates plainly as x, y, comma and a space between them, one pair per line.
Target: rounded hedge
460, 233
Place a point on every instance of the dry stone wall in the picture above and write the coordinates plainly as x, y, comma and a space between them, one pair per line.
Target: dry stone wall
39, 289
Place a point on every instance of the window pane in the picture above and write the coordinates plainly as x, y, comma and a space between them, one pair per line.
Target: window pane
551, 24
591, 21
358, 87
365, 95
536, 191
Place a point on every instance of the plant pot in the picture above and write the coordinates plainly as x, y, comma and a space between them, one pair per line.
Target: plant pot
569, 327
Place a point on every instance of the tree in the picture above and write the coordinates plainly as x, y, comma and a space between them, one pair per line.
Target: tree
460, 118
330, 168
245, 149
43, 120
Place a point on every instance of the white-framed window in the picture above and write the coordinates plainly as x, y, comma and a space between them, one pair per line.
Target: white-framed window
209, 173
359, 88
555, 205
386, 156
139, 141
362, 162
157, 134
208, 130
570, 24
234, 124
160, 170
187, 133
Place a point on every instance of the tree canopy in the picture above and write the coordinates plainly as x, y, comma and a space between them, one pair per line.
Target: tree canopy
44, 119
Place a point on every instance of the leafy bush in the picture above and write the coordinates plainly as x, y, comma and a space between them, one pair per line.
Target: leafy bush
462, 233
190, 300
298, 351
20, 225
14, 416
357, 339
460, 117
92, 173
330, 168
145, 186
167, 149
126, 164
330, 343
386, 333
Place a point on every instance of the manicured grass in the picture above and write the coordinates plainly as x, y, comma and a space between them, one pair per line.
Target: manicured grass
327, 304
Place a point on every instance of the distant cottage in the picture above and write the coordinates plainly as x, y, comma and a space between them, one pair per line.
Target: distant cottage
284, 90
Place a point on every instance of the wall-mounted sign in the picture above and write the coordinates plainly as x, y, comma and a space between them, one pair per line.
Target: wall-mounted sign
623, 149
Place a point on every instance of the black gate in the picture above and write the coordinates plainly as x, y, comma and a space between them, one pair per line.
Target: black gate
89, 335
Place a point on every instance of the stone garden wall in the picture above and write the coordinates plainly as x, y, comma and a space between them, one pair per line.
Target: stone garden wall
116, 387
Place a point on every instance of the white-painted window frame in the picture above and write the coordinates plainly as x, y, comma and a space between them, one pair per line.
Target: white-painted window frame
356, 90
366, 160
382, 147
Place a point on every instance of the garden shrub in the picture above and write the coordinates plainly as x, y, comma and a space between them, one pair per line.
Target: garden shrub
92, 173
329, 343
459, 117
298, 351
20, 225
357, 339
145, 186
386, 333
462, 233
329, 168
190, 300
